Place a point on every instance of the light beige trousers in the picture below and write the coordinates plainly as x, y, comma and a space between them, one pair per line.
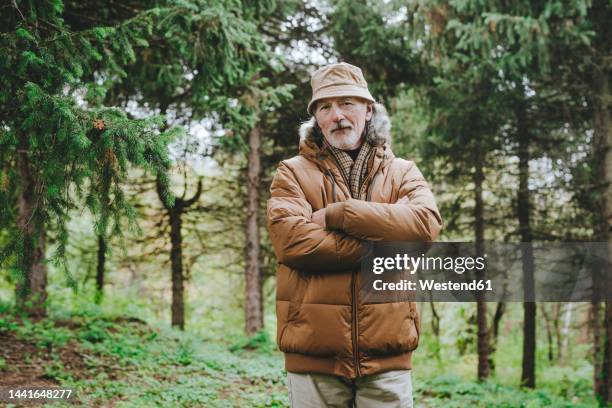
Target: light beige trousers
392, 389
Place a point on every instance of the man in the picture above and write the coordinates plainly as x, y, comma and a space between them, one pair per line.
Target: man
345, 188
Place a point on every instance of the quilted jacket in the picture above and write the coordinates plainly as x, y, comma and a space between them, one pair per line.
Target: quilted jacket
322, 324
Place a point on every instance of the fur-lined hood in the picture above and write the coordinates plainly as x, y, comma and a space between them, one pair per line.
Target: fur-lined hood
378, 129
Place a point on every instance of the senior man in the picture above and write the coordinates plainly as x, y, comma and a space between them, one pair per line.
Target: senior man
343, 189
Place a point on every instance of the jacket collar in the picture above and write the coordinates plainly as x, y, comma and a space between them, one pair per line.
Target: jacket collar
379, 136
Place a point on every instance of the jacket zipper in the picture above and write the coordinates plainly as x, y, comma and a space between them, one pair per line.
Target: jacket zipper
355, 300
354, 290
354, 327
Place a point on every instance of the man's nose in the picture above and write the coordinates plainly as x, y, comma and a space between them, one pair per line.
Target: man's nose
337, 114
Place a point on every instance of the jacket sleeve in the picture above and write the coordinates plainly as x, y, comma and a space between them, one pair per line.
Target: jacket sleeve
300, 243
415, 221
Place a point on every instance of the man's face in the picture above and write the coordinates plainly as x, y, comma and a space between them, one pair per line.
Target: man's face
342, 121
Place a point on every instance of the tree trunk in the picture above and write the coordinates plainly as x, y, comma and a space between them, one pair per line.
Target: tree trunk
102, 238
481, 307
100, 269
549, 334
555, 320
175, 214
595, 322
607, 360
435, 328
31, 288
603, 134
497, 316
435, 320
176, 260
524, 211
253, 302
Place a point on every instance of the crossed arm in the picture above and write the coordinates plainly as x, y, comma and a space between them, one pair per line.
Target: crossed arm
318, 217
334, 238
413, 217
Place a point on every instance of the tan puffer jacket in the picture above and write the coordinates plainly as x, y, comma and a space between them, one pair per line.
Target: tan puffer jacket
322, 326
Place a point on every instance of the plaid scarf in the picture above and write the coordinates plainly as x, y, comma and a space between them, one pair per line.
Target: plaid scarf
353, 172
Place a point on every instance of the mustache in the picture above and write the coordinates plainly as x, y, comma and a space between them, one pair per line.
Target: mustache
339, 127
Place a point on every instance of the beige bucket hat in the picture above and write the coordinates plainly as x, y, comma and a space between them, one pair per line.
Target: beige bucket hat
337, 80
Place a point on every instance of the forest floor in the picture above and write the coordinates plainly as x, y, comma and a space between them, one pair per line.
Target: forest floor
123, 362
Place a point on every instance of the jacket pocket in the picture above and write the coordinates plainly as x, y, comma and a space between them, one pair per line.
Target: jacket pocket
413, 338
291, 313
320, 330
289, 292
388, 329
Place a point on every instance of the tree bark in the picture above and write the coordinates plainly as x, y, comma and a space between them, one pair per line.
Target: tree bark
102, 238
549, 334
253, 299
435, 320
100, 268
595, 322
175, 214
435, 328
176, 260
524, 211
484, 368
555, 323
497, 316
607, 361
603, 134
31, 288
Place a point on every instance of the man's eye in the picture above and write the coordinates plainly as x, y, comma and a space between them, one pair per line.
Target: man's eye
348, 103
324, 107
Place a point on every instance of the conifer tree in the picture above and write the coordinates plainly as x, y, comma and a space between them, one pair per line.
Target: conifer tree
528, 53
217, 79
59, 148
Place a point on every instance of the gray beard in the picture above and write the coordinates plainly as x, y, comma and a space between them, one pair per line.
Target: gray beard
352, 142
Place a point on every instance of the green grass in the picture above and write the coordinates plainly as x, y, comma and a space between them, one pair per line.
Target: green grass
127, 363
116, 361
451, 391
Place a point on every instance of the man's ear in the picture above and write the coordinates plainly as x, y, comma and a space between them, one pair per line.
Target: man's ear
369, 111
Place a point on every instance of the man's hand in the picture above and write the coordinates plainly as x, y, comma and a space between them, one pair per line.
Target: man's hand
403, 200
318, 217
